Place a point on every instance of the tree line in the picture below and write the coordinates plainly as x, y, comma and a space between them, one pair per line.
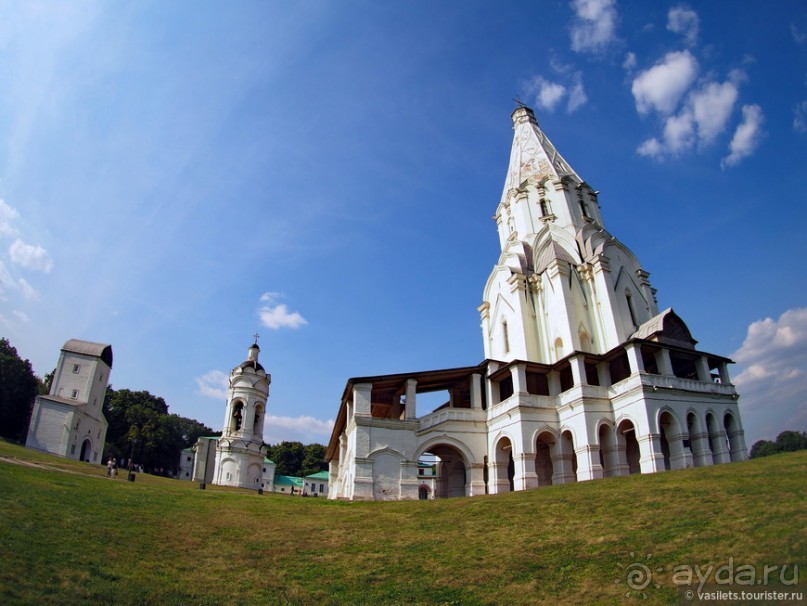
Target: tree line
787, 441
294, 459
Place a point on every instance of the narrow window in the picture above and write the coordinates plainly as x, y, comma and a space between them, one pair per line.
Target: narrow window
584, 209
631, 309
74, 395
544, 207
506, 337
76, 368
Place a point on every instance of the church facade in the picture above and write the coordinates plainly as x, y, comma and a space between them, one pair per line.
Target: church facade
69, 421
583, 378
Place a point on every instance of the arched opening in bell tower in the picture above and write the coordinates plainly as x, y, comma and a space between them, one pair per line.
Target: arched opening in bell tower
238, 416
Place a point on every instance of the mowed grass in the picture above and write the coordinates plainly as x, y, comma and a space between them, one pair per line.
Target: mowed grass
69, 535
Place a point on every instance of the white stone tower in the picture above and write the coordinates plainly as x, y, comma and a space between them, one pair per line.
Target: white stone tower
562, 283
240, 451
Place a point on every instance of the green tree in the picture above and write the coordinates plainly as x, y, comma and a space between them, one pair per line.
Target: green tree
314, 460
294, 459
18, 389
139, 423
45, 382
288, 457
790, 441
763, 448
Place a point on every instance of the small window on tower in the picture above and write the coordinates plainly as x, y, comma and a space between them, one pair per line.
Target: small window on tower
74, 394
584, 209
631, 309
76, 368
506, 337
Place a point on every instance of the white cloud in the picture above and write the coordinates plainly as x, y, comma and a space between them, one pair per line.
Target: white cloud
799, 36
214, 384
651, 148
800, 117
305, 429
702, 117
630, 62
28, 291
270, 297
746, 137
711, 108
21, 316
7, 217
577, 95
277, 316
30, 256
662, 86
773, 380
549, 95
594, 25
679, 132
684, 21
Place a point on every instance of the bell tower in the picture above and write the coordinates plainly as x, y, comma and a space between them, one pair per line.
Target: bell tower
240, 451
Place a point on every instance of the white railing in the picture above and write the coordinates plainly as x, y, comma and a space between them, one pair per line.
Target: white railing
451, 414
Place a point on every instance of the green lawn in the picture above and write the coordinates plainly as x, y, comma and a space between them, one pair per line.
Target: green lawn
69, 535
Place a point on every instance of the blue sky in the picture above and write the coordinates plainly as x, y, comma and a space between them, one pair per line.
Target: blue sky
177, 176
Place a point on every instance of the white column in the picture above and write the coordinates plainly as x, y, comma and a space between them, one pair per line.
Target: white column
362, 399
604, 374
578, 370
519, 374
476, 391
663, 362
411, 399
634, 357
702, 366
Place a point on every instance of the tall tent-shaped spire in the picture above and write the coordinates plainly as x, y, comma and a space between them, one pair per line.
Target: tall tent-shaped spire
533, 156
562, 282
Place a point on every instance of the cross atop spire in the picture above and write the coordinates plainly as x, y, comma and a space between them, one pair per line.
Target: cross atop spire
256, 337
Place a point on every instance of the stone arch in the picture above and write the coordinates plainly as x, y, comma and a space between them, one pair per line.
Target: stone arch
237, 418
558, 348
606, 438
85, 454
733, 434
672, 439
504, 470
546, 443
386, 465
698, 440
257, 423
717, 439
627, 445
453, 469
567, 458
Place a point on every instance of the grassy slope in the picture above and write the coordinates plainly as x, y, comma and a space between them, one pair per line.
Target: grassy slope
70, 535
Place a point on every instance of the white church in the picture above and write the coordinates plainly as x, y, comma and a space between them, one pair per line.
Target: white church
583, 376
